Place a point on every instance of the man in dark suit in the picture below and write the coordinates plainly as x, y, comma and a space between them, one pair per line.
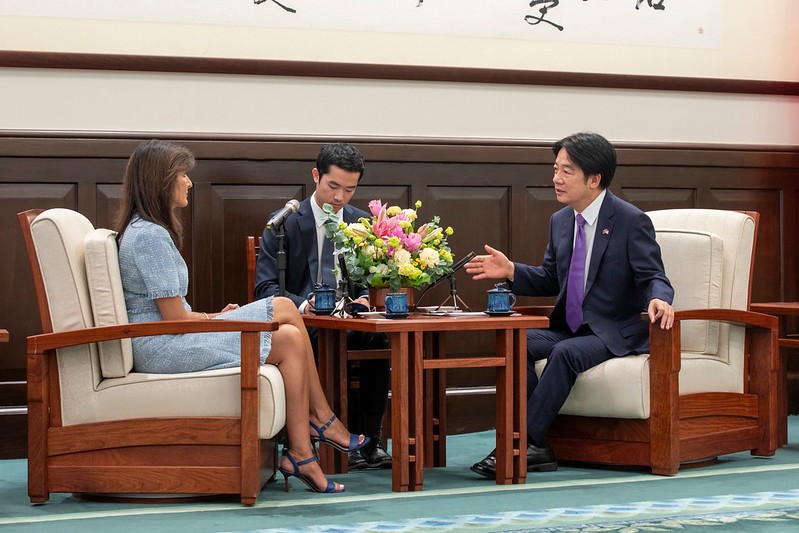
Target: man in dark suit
604, 265
309, 258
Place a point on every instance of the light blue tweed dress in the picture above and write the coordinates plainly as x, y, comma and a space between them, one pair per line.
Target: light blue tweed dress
151, 268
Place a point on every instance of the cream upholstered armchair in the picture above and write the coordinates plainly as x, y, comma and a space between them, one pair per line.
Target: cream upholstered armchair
97, 426
708, 387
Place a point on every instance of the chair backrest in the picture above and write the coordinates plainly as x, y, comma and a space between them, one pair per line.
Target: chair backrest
76, 289
253, 248
709, 257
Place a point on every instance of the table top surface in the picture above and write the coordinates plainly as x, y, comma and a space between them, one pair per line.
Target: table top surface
776, 308
422, 322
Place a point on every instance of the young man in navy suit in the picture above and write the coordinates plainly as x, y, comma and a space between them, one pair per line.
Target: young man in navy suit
617, 273
339, 168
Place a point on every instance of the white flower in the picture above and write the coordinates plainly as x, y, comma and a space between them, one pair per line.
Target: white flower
429, 257
381, 269
410, 214
402, 256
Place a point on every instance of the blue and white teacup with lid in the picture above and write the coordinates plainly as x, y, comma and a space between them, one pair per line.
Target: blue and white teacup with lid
324, 299
500, 300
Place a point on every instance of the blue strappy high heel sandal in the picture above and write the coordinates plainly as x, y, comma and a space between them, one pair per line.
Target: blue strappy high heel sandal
330, 488
320, 437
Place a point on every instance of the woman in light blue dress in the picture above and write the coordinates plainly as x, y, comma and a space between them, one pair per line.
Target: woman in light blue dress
155, 280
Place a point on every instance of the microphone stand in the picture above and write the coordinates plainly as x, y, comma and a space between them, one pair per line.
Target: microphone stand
453, 295
281, 259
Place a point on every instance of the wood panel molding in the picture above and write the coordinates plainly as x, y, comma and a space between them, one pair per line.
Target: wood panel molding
323, 69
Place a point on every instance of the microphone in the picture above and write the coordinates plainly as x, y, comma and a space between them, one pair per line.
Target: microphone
457, 266
281, 216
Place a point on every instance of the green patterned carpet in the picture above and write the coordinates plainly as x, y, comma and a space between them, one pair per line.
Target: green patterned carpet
739, 493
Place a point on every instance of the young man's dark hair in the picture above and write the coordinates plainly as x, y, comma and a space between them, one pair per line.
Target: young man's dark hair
342, 155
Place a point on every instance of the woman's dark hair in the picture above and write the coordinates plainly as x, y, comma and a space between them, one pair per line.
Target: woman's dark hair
342, 155
149, 183
592, 153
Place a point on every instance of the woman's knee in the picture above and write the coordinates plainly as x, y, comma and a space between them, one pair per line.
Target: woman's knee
287, 342
283, 308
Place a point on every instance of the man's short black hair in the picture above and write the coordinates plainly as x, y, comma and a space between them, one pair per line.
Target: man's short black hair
342, 155
592, 153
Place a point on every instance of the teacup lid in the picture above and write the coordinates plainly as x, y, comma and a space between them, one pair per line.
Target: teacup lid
321, 287
499, 287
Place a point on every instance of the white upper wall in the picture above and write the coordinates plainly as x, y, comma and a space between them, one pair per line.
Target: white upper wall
203, 103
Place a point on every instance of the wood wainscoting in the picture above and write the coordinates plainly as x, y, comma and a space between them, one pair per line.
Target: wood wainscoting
490, 191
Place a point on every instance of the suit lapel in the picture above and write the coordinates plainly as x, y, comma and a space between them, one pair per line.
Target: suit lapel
604, 228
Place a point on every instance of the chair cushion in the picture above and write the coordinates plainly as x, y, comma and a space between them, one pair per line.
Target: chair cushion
108, 300
693, 262
205, 393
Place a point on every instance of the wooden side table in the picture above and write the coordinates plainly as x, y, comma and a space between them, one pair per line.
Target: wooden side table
786, 340
411, 356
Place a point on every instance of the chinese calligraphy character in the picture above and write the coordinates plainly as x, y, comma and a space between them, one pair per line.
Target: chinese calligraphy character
533, 20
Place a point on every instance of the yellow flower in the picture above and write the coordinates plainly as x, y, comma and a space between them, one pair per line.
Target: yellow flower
409, 271
393, 211
418, 204
449, 230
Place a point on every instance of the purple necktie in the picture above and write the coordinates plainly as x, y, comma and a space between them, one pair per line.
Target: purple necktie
576, 284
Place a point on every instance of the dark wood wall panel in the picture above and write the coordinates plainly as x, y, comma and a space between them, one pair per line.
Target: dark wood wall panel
238, 210
492, 192
478, 215
16, 285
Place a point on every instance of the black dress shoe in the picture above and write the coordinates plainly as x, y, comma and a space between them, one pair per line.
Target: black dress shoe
376, 455
538, 460
356, 461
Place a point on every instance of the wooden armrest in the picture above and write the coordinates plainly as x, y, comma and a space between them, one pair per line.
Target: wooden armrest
665, 346
534, 310
63, 339
735, 316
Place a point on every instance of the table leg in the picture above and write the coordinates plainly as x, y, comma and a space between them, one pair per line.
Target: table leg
782, 400
329, 367
505, 421
416, 412
400, 465
520, 406
341, 394
435, 388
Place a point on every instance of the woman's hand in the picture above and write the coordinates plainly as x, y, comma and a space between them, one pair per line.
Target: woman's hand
228, 307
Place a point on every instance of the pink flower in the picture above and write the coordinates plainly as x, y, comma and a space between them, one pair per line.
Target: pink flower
375, 207
411, 242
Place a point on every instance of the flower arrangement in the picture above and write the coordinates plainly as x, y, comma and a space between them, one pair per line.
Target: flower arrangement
387, 251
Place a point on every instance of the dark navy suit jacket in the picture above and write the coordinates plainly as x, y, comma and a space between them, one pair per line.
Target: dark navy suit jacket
625, 273
301, 255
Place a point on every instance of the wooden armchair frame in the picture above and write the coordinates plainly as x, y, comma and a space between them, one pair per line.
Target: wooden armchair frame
168, 455
685, 428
